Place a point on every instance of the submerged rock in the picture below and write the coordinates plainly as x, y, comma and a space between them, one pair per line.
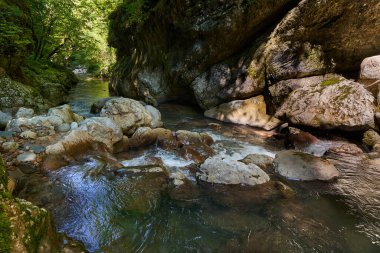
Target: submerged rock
144, 187
333, 103
220, 170
251, 112
304, 167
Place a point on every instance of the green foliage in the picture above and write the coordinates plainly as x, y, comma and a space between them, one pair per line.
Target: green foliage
15, 37
5, 231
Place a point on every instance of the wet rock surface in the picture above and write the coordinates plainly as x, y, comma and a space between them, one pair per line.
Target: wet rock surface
304, 167
217, 170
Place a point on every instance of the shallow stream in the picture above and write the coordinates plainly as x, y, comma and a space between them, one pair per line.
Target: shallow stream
124, 214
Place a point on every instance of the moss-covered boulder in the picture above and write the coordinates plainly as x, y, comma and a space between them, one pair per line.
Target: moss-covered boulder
330, 103
23, 226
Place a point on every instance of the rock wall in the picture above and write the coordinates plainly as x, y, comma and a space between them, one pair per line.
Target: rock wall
213, 52
160, 57
222, 47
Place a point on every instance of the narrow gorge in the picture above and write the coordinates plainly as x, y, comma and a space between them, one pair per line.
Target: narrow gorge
189, 126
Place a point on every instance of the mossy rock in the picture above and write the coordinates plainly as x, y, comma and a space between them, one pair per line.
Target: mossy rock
330, 82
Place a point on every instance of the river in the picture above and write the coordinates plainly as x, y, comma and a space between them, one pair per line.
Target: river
120, 214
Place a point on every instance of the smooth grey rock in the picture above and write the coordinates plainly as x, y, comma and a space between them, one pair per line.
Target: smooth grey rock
64, 128
38, 149
127, 113
10, 146
220, 170
304, 167
370, 68
74, 125
26, 157
156, 116
4, 119
25, 113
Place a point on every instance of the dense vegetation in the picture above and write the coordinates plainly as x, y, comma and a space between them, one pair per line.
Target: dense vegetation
68, 33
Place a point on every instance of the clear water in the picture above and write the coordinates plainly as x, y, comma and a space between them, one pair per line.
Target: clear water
126, 214
83, 95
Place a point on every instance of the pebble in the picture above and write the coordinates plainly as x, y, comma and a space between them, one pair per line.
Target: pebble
74, 125
64, 128
27, 157
10, 146
38, 149
7, 134
28, 135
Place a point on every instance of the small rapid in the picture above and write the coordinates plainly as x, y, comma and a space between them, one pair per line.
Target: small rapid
121, 212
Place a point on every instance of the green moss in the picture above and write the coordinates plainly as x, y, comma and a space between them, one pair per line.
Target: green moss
252, 72
344, 92
3, 177
5, 231
330, 82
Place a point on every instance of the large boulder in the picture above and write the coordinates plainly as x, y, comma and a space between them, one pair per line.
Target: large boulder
280, 91
102, 130
251, 112
90, 131
218, 170
304, 167
127, 113
14, 95
332, 103
370, 68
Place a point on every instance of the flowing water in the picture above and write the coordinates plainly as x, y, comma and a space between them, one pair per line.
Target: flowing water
127, 214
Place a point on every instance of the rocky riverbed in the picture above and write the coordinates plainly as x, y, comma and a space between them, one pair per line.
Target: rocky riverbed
171, 179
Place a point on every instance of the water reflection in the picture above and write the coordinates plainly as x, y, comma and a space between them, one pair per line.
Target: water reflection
133, 214
85, 93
